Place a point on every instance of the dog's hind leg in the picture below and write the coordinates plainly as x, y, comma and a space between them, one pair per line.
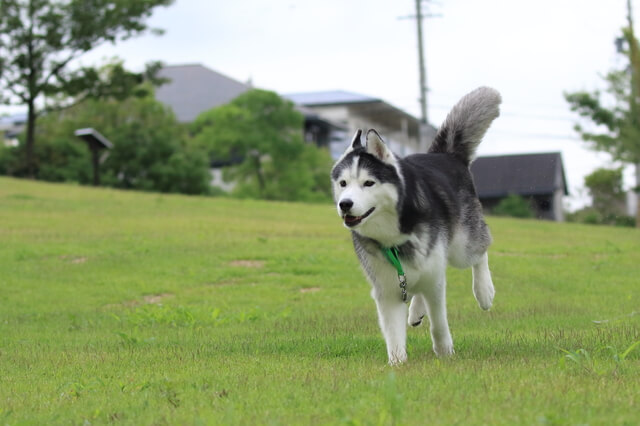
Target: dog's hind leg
392, 314
417, 310
482, 284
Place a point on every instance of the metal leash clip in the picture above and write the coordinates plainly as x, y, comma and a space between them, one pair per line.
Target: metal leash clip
403, 287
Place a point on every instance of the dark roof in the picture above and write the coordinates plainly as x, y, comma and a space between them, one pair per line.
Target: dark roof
526, 174
193, 89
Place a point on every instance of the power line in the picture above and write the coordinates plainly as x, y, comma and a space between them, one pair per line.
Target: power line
536, 135
521, 115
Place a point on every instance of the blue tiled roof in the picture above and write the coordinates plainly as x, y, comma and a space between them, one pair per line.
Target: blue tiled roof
329, 98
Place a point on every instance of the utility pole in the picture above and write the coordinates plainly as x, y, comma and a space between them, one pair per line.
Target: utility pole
422, 69
424, 135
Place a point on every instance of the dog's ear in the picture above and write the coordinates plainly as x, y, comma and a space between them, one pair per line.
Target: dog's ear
377, 147
356, 142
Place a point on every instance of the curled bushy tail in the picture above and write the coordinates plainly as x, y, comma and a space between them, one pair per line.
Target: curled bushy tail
466, 124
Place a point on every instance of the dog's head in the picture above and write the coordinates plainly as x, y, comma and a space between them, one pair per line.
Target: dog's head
367, 185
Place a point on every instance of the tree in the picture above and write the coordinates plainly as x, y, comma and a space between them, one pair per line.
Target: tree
608, 197
150, 150
262, 134
615, 129
39, 39
608, 200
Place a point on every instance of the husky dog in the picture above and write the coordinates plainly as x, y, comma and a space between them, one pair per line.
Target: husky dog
410, 217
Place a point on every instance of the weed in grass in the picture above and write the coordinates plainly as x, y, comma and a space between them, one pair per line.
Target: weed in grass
607, 360
620, 357
132, 340
581, 358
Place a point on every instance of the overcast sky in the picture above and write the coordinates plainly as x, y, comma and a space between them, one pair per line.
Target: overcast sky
531, 51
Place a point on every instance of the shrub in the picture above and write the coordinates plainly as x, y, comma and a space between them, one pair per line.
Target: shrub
514, 206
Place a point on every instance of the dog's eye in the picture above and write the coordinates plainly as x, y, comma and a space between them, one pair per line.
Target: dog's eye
343, 183
369, 183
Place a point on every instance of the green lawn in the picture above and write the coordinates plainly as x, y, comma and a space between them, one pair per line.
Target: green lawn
140, 308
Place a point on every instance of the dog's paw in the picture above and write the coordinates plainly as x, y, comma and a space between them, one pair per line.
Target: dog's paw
417, 311
444, 351
415, 322
484, 295
397, 358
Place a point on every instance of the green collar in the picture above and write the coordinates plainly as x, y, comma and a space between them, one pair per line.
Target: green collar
391, 253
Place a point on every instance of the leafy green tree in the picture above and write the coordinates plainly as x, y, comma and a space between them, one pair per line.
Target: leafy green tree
615, 129
608, 200
605, 186
39, 39
149, 147
262, 134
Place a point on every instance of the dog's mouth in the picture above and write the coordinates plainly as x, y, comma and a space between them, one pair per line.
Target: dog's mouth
352, 221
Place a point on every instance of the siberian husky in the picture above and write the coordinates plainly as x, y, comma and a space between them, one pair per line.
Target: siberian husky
411, 216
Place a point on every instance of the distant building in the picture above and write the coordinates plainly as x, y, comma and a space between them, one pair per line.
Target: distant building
10, 127
355, 111
538, 178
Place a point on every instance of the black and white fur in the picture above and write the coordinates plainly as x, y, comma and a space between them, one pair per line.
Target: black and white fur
426, 206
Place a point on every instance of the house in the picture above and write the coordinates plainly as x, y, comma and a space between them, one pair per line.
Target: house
539, 178
355, 111
10, 127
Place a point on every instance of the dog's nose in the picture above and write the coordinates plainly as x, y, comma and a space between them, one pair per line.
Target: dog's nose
345, 205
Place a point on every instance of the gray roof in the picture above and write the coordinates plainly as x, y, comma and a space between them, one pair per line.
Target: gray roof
525, 174
194, 88
335, 97
93, 138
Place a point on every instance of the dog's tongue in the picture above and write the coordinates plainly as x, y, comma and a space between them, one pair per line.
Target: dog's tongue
349, 218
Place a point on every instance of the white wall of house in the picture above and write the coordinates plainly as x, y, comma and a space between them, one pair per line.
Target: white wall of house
558, 210
398, 139
217, 181
632, 203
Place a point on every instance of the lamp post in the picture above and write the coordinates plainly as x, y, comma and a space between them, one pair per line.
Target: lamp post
96, 143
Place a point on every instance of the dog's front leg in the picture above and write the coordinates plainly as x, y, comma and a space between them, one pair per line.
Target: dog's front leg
437, 312
392, 315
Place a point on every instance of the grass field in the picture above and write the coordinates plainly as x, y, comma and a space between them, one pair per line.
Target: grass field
136, 308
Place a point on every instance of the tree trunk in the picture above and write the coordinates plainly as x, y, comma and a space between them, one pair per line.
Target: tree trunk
258, 169
637, 191
30, 141
95, 161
